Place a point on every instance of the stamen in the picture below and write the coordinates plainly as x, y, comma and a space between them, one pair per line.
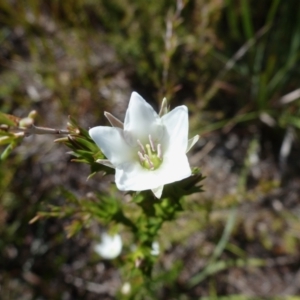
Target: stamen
151, 143
141, 146
159, 153
150, 155
141, 157
149, 152
149, 162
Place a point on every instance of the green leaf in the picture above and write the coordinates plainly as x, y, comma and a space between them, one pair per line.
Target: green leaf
86, 143
6, 119
246, 19
8, 150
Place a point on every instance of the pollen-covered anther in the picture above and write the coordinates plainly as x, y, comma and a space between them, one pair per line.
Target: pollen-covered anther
151, 143
148, 160
141, 146
141, 157
159, 153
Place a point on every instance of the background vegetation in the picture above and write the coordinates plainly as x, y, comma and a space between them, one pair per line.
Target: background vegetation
235, 64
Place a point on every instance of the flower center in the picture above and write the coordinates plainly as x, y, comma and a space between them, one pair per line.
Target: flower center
150, 155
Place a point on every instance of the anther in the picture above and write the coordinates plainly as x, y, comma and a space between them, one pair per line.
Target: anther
149, 162
141, 157
141, 146
159, 153
151, 143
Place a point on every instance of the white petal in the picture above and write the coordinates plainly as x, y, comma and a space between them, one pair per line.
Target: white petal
175, 167
110, 246
112, 143
177, 126
133, 177
141, 120
155, 248
192, 142
126, 288
158, 191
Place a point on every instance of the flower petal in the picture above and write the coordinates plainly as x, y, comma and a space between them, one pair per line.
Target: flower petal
133, 177
177, 126
155, 248
175, 167
112, 143
141, 120
110, 246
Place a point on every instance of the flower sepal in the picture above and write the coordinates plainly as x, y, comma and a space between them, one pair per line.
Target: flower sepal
84, 149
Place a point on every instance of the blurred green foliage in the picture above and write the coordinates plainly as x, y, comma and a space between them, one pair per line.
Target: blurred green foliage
261, 55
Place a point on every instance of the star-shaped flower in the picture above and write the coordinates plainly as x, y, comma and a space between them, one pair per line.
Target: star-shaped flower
149, 149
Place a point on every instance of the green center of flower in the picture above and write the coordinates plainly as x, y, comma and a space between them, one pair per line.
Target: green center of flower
150, 155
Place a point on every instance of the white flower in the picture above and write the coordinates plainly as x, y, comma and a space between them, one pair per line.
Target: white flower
155, 248
147, 151
126, 288
110, 246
